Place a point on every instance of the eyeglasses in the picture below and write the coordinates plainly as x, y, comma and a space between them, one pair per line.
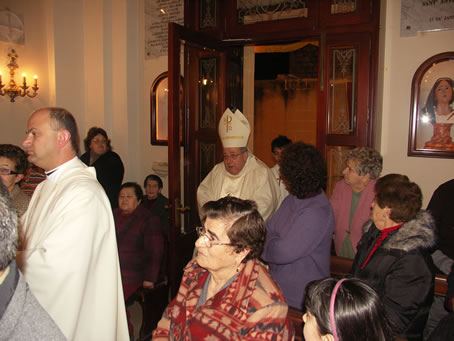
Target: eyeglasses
207, 239
6, 171
232, 156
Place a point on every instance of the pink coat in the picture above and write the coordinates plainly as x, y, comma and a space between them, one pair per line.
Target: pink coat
340, 201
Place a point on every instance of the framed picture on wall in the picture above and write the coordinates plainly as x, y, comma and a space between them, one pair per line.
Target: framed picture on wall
159, 110
432, 108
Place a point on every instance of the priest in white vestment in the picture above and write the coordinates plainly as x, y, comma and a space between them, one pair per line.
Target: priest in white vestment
69, 251
241, 174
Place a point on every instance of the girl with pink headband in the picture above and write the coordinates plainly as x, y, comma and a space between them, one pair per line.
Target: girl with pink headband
344, 310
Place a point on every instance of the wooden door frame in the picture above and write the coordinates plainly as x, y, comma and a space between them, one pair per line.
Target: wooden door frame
365, 105
178, 33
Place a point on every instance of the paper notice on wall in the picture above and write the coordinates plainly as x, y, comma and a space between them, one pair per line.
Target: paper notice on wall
158, 14
425, 15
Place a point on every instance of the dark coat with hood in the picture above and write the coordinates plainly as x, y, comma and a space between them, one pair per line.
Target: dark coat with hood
401, 271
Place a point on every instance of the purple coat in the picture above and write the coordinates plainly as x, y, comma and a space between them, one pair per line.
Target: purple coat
298, 244
140, 248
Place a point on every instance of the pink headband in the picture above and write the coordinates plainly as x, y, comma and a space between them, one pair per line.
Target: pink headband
331, 309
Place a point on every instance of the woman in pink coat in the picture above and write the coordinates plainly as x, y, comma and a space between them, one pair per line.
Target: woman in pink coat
352, 197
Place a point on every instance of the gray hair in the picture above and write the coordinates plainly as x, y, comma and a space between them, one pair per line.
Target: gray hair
368, 160
8, 228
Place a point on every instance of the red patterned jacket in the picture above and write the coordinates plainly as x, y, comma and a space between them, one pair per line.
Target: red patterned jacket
250, 308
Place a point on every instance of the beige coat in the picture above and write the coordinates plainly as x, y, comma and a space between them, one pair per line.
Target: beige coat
277, 176
70, 256
254, 182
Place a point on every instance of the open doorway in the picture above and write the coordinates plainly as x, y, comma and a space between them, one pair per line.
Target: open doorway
285, 95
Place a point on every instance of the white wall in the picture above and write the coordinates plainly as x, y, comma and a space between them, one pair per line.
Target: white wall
33, 59
89, 56
399, 59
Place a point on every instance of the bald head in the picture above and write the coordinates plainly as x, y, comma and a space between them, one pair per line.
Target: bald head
51, 137
61, 118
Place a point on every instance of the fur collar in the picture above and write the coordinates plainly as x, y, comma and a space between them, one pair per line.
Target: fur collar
417, 233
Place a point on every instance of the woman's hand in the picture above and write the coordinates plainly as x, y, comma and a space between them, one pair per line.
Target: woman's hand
148, 285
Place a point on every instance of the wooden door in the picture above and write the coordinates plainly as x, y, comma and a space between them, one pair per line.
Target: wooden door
203, 89
345, 100
349, 33
345, 108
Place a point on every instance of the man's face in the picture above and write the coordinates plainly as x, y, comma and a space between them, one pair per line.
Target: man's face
277, 154
234, 160
40, 141
152, 189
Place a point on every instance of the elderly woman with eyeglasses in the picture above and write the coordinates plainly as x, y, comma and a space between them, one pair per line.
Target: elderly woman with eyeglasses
226, 293
108, 164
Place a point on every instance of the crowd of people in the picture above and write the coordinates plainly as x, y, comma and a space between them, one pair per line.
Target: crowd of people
77, 247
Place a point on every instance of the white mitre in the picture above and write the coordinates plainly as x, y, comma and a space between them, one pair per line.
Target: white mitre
234, 129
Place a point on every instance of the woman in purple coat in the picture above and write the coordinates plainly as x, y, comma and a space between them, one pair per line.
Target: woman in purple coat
298, 241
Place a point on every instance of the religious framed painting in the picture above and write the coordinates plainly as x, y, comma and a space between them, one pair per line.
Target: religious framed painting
159, 110
432, 108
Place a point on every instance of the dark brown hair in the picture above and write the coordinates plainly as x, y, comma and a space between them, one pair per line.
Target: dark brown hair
15, 154
153, 177
137, 189
431, 101
402, 196
279, 142
358, 312
248, 229
92, 133
303, 169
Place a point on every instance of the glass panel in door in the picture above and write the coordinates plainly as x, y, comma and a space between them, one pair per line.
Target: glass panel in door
342, 90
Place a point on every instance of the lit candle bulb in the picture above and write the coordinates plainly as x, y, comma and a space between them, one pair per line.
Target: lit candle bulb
24, 77
35, 77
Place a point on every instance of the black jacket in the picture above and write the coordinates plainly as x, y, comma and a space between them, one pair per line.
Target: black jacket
401, 271
160, 208
441, 206
109, 172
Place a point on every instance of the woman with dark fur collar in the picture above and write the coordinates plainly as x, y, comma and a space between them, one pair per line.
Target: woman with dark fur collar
394, 254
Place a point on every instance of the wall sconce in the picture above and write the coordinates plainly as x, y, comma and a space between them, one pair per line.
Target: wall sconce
12, 89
